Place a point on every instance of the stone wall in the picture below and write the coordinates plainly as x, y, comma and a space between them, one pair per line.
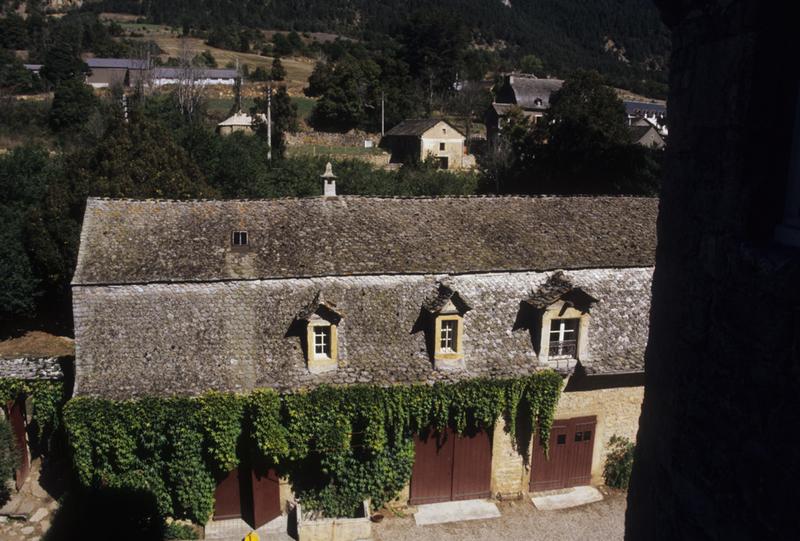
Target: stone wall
617, 411
717, 455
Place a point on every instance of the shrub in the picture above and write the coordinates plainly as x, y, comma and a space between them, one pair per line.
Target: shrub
178, 530
9, 458
619, 462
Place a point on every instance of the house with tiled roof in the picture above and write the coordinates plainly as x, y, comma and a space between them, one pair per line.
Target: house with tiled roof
416, 140
523, 91
184, 297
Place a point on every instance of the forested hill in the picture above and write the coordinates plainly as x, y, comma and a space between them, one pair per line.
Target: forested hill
623, 39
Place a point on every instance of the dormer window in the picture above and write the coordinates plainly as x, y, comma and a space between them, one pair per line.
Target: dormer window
447, 336
239, 238
322, 341
564, 337
320, 337
559, 325
445, 312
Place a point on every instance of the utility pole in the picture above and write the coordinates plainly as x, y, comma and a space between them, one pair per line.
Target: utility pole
269, 122
382, 112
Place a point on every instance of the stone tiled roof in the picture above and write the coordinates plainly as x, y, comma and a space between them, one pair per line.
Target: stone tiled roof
413, 127
127, 242
161, 339
533, 93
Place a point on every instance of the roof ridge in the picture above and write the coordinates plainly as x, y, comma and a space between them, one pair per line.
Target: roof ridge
374, 197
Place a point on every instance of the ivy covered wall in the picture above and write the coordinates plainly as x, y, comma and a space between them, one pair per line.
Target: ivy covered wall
337, 445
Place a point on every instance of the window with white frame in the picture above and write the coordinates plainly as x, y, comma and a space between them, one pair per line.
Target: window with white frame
564, 337
447, 336
322, 341
239, 238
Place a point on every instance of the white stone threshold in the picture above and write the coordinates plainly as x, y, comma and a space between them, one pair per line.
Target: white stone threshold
439, 513
564, 499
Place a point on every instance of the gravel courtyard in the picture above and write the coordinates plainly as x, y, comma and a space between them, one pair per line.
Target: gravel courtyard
603, 520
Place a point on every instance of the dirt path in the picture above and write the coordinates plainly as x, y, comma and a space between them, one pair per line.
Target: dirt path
602, 521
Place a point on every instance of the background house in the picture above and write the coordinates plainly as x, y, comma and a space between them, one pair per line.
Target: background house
416, 140
525, 91
645, 134
295, 293
106, 72
239, 121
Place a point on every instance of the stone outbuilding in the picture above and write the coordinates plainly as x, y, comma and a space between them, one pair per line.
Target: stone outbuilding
177, 297
239, 122
420, 139
644, 133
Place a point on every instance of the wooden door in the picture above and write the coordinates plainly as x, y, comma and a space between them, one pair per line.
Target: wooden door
432, 474
227, 497
582, 442
16, 418
472, 466
266, 496
570, 459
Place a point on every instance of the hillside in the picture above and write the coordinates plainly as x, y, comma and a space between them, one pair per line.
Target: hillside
623, 39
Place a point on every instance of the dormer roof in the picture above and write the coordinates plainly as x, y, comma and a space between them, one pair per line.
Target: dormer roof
560, 288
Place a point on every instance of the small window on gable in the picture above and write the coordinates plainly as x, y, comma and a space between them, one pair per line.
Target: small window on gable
442, 146
239, 238
444, 130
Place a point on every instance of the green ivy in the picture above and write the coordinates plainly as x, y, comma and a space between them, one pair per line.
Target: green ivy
338, 445
48, 397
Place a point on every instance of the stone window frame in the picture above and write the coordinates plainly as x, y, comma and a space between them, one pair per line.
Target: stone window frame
318, 363
457, 354
442, 146
563, 310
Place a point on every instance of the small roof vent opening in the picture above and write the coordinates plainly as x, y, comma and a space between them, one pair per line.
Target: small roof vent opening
239, 238
329, 181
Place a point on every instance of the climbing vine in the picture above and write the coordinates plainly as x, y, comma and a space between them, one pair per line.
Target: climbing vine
337, 445
48, 397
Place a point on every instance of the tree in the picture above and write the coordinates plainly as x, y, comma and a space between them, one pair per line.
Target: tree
9, 458
73, 101
14, 77
530, 63
205, 59
284, 116
278, 72
281, 44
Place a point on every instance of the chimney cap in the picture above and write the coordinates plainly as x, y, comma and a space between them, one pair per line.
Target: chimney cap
328, 171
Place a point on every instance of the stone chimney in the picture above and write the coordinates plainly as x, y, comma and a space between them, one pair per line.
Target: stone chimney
329, 181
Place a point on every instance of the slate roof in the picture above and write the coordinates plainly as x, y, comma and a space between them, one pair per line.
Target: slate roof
635, 107
162, 339
135, 242
415, 127
241, 119
200, 73
117, 63
527, 90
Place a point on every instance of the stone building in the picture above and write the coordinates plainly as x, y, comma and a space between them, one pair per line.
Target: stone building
417, 140
239, 121
717, 453
185, 297
525, 91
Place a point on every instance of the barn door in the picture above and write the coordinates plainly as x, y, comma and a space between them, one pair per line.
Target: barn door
266, 496
432, 474
450, 467
547, 473
252, 494
227, 497
472, 466
570, 460
16, 418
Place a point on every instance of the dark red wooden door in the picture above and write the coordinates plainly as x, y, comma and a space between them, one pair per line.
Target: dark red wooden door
16, 417
450, 467
472, 466
570, 460
266, 496
432, 474
227, 497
